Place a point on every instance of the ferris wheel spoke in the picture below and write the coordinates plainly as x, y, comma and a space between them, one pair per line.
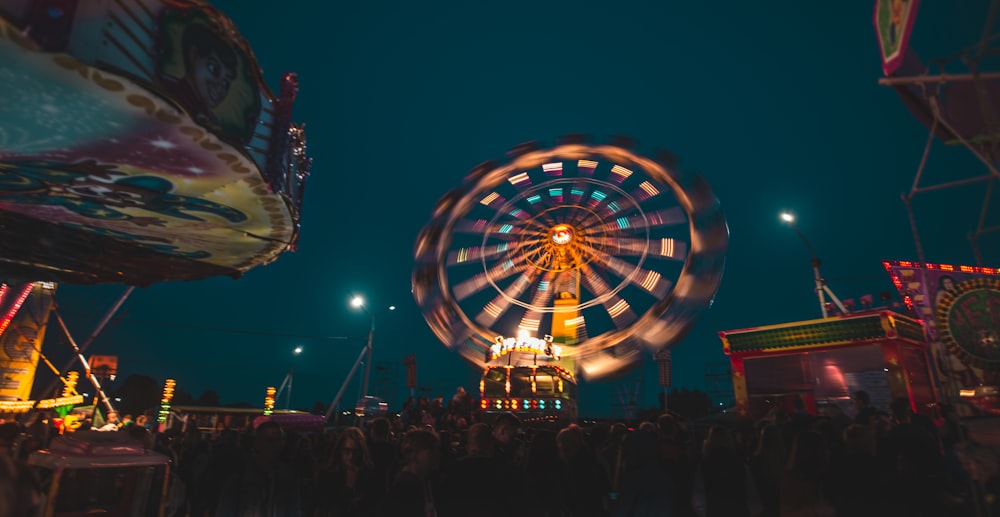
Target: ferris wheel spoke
475, 253
502, 302
532, 319
497, 273
665, 248
620, 311
483, 227
661, 218
645, 190
650, 281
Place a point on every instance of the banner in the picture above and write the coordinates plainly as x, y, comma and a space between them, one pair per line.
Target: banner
893, 21
955, 304
23, 337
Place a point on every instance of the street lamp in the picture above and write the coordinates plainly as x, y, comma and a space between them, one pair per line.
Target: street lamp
821, 288
359, 303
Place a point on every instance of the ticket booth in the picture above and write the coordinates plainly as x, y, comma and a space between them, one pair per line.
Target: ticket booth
822, 362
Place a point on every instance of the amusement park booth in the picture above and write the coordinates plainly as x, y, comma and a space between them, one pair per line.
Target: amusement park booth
824, 361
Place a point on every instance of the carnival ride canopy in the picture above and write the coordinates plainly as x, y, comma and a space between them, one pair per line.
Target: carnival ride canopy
139, 144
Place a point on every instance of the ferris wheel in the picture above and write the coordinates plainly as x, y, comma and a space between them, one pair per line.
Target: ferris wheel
603, 250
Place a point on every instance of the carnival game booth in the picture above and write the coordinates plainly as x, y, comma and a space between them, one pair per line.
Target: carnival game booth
823, 361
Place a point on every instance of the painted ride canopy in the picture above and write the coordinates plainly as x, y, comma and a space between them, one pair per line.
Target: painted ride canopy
139, 143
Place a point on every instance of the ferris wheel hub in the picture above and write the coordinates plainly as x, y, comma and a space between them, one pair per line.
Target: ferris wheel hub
562, 234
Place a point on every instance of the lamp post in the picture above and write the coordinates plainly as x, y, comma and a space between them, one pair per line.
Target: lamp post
821, 288
291, 373
359, 303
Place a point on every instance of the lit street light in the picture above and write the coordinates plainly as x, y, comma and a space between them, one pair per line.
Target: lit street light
297, 351
821, 288
359, 302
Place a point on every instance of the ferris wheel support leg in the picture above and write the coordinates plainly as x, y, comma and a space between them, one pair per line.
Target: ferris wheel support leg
79, 350
819, 287
343, 387
908, 201
103, 397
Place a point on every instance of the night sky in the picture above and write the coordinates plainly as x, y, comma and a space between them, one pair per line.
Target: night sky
778, 108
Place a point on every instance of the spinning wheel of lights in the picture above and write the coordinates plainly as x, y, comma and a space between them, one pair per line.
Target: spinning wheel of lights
615, 247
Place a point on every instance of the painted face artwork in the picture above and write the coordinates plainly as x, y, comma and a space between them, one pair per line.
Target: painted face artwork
211, 78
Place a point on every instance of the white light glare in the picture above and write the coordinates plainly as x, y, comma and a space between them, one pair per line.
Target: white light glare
357, 301
788, 217
297, 351
392, 307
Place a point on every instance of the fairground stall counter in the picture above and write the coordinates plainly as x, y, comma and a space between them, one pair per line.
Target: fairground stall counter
824, 361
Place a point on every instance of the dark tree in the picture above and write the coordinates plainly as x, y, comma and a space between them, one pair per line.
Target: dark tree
690, 404
138, 393
208, 398
182, 398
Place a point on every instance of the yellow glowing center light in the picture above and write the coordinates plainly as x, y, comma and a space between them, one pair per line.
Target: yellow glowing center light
562, 235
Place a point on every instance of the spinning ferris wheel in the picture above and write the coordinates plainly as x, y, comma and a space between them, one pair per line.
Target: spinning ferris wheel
595, 247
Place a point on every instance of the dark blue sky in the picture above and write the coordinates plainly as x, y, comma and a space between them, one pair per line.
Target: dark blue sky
778, 108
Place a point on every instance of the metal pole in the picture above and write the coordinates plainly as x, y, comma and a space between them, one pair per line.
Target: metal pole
361, 392
940, 78
343, 387
819, 287
817, 278
368, 361
291, 375
93, 335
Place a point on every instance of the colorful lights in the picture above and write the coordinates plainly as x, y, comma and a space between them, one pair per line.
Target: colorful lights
666, 247
269, 400
16, 406
646, 190
168, 395
493, 196
618, 308
619, 173
517, 179
69, 385
552, 169
520, 404
71, 400
25, 291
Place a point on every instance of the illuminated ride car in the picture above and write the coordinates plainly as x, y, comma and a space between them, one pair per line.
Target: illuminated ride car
536, 394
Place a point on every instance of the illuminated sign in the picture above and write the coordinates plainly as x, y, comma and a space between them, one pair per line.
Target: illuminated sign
61, 401
526, 344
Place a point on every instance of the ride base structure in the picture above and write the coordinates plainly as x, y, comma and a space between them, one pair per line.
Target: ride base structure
824, 361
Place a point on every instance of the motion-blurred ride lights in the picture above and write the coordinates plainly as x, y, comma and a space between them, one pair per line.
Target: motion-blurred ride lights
520, 404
